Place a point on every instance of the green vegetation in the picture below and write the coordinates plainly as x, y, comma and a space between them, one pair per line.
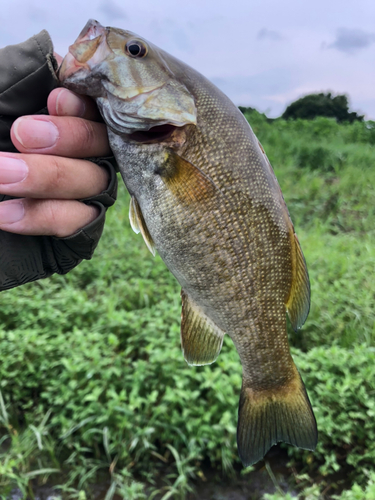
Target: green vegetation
93, 383
313, 105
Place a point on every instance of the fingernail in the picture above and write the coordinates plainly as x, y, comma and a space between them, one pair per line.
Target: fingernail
69, 104
12, 170
34, 133
11, 211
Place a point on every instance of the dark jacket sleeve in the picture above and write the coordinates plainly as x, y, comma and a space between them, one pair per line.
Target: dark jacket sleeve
27, 75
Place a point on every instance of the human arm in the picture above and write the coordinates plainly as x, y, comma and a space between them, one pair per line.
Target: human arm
63, 200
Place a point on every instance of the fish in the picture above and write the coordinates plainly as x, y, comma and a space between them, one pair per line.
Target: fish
205, 197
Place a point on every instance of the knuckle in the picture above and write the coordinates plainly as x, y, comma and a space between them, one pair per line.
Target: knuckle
46, 216
59, 218
51, 214
88, 138
56, 174
67, 217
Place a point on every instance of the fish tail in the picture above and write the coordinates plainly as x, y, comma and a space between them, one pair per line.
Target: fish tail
267, 417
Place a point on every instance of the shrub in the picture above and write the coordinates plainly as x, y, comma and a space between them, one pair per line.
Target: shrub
313, 105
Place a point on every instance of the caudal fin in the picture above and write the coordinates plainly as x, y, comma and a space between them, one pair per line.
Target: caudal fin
268, 417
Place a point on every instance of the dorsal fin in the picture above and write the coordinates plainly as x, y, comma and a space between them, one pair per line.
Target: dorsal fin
298, 304
138, 224
201, 339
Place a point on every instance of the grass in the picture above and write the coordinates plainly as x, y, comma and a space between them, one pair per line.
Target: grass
93, 380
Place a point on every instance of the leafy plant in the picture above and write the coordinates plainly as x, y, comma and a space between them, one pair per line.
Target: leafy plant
25, 456
92, 375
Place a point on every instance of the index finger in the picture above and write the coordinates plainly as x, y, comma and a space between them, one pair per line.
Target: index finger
64, 102
66, 136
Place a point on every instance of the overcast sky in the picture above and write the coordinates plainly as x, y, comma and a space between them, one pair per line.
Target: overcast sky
261, 53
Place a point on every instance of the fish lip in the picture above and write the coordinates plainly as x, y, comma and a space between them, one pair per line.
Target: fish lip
92, 35
69, 66
91, 30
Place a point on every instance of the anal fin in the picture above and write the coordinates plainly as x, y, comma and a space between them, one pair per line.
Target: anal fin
201, 339
138, 224
270, 416
298, 304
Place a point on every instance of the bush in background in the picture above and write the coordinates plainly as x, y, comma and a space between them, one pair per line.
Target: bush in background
314, 105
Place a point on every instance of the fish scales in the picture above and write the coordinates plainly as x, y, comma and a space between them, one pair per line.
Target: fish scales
205, 196
207, 278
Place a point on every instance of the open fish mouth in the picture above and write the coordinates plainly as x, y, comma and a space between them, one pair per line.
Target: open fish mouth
159, 133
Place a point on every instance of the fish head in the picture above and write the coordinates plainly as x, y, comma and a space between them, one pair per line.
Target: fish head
129, 78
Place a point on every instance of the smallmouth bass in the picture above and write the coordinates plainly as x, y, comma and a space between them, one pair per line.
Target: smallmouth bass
204, 195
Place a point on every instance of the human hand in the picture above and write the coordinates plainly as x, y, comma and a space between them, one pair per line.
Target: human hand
46, 175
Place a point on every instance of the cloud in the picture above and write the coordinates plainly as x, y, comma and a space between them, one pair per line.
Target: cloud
112, 10
264, 33
351, 40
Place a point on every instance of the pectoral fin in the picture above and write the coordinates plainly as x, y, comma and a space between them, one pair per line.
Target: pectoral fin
201, 339
186, 181
138, 224
298, 304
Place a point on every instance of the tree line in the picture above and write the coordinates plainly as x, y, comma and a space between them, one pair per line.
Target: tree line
314, 105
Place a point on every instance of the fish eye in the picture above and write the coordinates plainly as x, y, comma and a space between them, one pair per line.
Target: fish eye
134, 48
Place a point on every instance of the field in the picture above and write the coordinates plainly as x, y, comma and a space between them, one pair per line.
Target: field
93, 384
